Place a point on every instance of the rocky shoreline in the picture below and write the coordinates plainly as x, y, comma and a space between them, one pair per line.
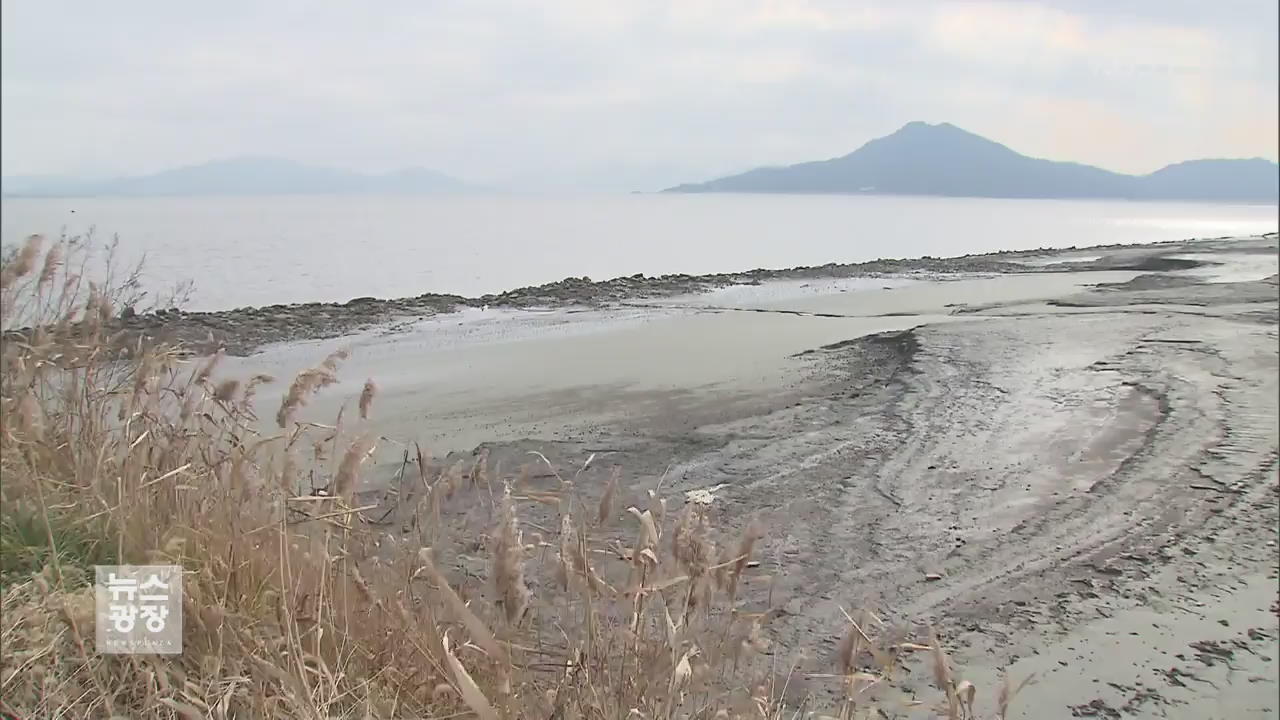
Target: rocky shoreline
242, 330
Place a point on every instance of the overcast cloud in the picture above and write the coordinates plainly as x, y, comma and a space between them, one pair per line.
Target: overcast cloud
617, 95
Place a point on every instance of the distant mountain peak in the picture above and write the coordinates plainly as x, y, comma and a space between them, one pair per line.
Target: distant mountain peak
915, 125
920, 127
922, 132
921, 158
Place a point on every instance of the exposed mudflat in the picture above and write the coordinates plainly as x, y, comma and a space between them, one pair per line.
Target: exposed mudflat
243, 330
1077, 482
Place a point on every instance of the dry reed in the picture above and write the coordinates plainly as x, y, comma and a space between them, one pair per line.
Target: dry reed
304, 606
366, 398
307, 383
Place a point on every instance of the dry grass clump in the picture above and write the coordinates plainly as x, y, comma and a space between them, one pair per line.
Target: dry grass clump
309, 605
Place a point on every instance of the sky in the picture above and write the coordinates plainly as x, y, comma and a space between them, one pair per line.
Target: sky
614, 95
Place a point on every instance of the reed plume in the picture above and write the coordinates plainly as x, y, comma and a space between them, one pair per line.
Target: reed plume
23, 262
366, 398
349, 467
307, 383
508, 563
606, 500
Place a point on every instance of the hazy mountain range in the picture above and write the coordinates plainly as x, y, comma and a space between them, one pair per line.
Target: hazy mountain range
942, 159
918, 159
239, 176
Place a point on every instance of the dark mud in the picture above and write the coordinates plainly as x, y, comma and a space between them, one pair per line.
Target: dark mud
1166, 290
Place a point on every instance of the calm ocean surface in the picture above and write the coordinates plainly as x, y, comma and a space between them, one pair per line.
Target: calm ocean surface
263, 250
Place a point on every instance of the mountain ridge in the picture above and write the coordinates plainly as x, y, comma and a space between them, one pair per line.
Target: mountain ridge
945, 160
243, 175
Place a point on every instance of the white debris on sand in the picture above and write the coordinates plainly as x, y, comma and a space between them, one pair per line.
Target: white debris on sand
704, 496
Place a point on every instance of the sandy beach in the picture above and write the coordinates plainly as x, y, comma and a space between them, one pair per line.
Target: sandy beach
1072, 471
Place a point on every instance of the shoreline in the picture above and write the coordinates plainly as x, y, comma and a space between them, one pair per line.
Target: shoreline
242, 331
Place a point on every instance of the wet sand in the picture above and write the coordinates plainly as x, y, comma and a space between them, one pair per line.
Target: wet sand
457, 380
1074, 473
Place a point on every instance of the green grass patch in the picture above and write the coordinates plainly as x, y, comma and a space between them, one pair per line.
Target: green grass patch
25, 547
